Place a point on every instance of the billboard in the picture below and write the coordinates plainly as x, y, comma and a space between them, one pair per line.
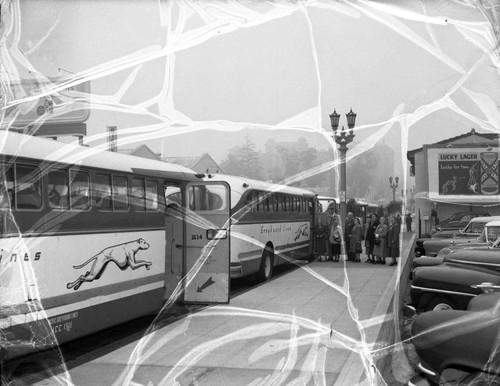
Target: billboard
33, 101
466, 172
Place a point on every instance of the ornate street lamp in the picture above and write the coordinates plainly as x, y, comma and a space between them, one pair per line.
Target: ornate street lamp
393, 186
343, 138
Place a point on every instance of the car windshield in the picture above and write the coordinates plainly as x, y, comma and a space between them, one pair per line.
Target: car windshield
493, 233
474, 227
455, 217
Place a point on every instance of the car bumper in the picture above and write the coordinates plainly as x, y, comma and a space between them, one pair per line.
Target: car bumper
419, 380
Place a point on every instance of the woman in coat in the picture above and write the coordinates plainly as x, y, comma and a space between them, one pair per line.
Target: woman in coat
393, 240
370, 237
380, 249
356, 238
335, 239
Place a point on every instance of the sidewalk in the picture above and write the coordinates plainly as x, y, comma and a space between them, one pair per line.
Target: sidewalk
325, 323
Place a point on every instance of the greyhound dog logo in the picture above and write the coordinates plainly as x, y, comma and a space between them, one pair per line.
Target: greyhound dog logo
123, 255
302, 231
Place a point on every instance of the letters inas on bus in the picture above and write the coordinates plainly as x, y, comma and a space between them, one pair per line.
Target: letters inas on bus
15, 255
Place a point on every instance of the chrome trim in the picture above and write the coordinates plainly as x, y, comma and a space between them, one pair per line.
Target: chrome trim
475, 263
441, 291
426, 371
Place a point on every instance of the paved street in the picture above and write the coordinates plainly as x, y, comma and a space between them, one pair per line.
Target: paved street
325, 323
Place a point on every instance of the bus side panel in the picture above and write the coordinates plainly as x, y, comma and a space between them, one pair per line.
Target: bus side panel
97, 261
73, 324
290, 240
173, 250
64, 275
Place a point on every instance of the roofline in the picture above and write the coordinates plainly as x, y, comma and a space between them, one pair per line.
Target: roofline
235, 181
50, 151
410, 154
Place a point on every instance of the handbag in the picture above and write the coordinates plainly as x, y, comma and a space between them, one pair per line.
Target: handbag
358, 248
335, 237
377, 241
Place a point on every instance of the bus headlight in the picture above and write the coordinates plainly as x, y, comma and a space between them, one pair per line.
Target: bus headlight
216, 234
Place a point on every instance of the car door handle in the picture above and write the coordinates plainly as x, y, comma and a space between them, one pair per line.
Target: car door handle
486, 287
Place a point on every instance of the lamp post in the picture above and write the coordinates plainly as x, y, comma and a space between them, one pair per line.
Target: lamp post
393, 186
343, 138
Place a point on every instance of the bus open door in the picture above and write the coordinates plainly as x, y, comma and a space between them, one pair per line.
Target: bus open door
207, 253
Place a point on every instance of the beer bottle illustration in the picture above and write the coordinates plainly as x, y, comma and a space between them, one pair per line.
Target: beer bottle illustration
489, 173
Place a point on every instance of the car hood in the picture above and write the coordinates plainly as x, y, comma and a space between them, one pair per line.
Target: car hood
436, 245
461, 247
425, 261
454, 277
456, 338
486, 257
489, 301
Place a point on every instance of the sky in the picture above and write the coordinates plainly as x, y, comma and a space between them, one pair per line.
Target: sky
190, 77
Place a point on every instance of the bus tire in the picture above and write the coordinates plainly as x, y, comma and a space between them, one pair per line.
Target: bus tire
266, 266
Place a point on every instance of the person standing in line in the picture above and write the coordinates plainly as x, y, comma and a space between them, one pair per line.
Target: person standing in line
393, 240
331, 216
370, 237
408, 221
366, 231
335, 239
349, 224
356, 238
380, 247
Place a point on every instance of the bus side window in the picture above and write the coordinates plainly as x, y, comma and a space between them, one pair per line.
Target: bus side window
173, 197
79, 190
137, 194
7, 186
151, 195
120, 196
248, 202
27, 187
58, 189
101, 192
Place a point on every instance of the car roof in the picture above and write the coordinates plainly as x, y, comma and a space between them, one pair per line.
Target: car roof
485, 219
495, 223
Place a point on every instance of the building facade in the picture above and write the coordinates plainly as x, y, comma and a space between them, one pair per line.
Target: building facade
454, 175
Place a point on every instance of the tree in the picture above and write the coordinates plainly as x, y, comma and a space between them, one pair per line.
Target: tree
243, 161
367, 174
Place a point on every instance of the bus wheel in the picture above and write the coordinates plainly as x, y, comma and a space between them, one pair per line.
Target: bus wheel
266, 266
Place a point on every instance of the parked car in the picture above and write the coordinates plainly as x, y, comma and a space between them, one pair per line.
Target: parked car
465, 341
490, 238
458, 220
451, 285
467, 235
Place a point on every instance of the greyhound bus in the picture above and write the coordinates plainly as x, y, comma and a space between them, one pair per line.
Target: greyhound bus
84, 240
269, 224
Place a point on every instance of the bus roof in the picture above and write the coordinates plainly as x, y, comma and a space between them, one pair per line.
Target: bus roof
26, 146
239, 185
327, 198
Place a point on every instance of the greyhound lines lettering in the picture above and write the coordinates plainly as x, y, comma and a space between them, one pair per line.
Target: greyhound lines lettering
123, 255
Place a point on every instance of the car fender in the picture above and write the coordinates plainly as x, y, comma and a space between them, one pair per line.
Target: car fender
445, 339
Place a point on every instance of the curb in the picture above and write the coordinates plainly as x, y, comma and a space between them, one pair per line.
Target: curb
353, 373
